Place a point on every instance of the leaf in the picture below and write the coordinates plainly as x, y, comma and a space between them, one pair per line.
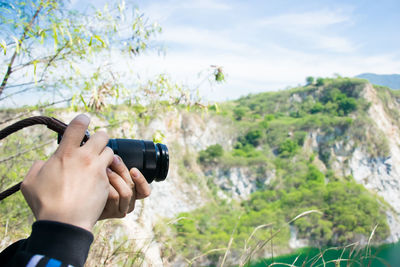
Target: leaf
100, 40
84, 102
42, 36
61, 30
55, 37
217, 108
34, 70
4, 46
17, 47
158, 136
69, 36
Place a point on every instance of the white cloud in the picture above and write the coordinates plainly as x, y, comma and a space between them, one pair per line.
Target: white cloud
334, 43
315, 19
273, 70
313, 29
206, 4
195, 38
161, 11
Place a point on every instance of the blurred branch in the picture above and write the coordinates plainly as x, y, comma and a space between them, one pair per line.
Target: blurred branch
9, 68
26, 151
40, 108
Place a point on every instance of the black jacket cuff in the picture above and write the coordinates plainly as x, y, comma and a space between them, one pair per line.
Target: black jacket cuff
64, 242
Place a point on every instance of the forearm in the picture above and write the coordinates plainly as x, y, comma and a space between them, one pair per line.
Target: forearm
50, 241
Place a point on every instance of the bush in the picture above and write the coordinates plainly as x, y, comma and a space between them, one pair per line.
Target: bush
320, 81
253, 137
318, 107
239, 112
288, 148
211, 154
309, 80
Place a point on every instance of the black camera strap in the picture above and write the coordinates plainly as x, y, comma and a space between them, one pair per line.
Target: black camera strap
51, 123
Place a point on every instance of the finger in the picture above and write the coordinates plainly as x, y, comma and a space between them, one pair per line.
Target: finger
120, 168
132, 203
124, 191
74, 134
142, 188
97, 142
111, 209
106, 157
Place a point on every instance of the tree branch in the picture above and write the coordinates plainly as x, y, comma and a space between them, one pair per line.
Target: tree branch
9, 68
36, 109
26, 151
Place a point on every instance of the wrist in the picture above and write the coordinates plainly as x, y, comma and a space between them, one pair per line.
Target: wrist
61, 218
63, 242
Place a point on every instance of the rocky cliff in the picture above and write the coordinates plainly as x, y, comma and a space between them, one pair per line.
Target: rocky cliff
188, 133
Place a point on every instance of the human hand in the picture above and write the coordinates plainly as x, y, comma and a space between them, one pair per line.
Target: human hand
72, 186
125, 188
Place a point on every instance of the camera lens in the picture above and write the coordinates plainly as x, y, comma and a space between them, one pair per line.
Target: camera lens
151, 159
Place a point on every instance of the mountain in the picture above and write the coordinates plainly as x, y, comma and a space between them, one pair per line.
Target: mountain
389, 80
330, 149
263, 175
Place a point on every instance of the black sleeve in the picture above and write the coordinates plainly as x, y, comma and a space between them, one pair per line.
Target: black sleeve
50, 243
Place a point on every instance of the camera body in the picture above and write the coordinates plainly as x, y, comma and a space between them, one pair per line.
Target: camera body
151, 159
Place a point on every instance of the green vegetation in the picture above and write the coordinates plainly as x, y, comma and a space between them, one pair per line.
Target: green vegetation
275, 128
211, 154
352, 255
348, 211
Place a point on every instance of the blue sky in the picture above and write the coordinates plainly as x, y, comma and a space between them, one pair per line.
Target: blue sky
270, 45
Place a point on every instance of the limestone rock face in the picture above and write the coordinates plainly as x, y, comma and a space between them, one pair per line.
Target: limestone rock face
187, 134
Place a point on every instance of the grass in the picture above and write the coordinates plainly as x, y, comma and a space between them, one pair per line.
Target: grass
352, 255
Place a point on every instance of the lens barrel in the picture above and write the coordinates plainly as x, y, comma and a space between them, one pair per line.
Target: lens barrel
151, 159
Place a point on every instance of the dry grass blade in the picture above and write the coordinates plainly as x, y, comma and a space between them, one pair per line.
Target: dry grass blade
230, 241
204, 254
304, 214
370, 238
261, 244
227, 251
295, 260
177, 220
254, 231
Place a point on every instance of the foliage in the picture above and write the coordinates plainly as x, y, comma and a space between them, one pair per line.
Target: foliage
287, 148
49, 47
348, 210
18, 154
319, 82
275, 127
352, 255
211, 154
309, 80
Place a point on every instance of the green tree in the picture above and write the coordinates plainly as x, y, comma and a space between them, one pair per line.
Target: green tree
320, 81
309, 80
48, 47
287, 148
239, 112
211, 154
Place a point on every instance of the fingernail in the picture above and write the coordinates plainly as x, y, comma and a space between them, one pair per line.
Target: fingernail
108, 170
134, 172
83, 118
116, 160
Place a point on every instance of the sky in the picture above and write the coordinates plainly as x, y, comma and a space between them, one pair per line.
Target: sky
268, 45
272, 45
